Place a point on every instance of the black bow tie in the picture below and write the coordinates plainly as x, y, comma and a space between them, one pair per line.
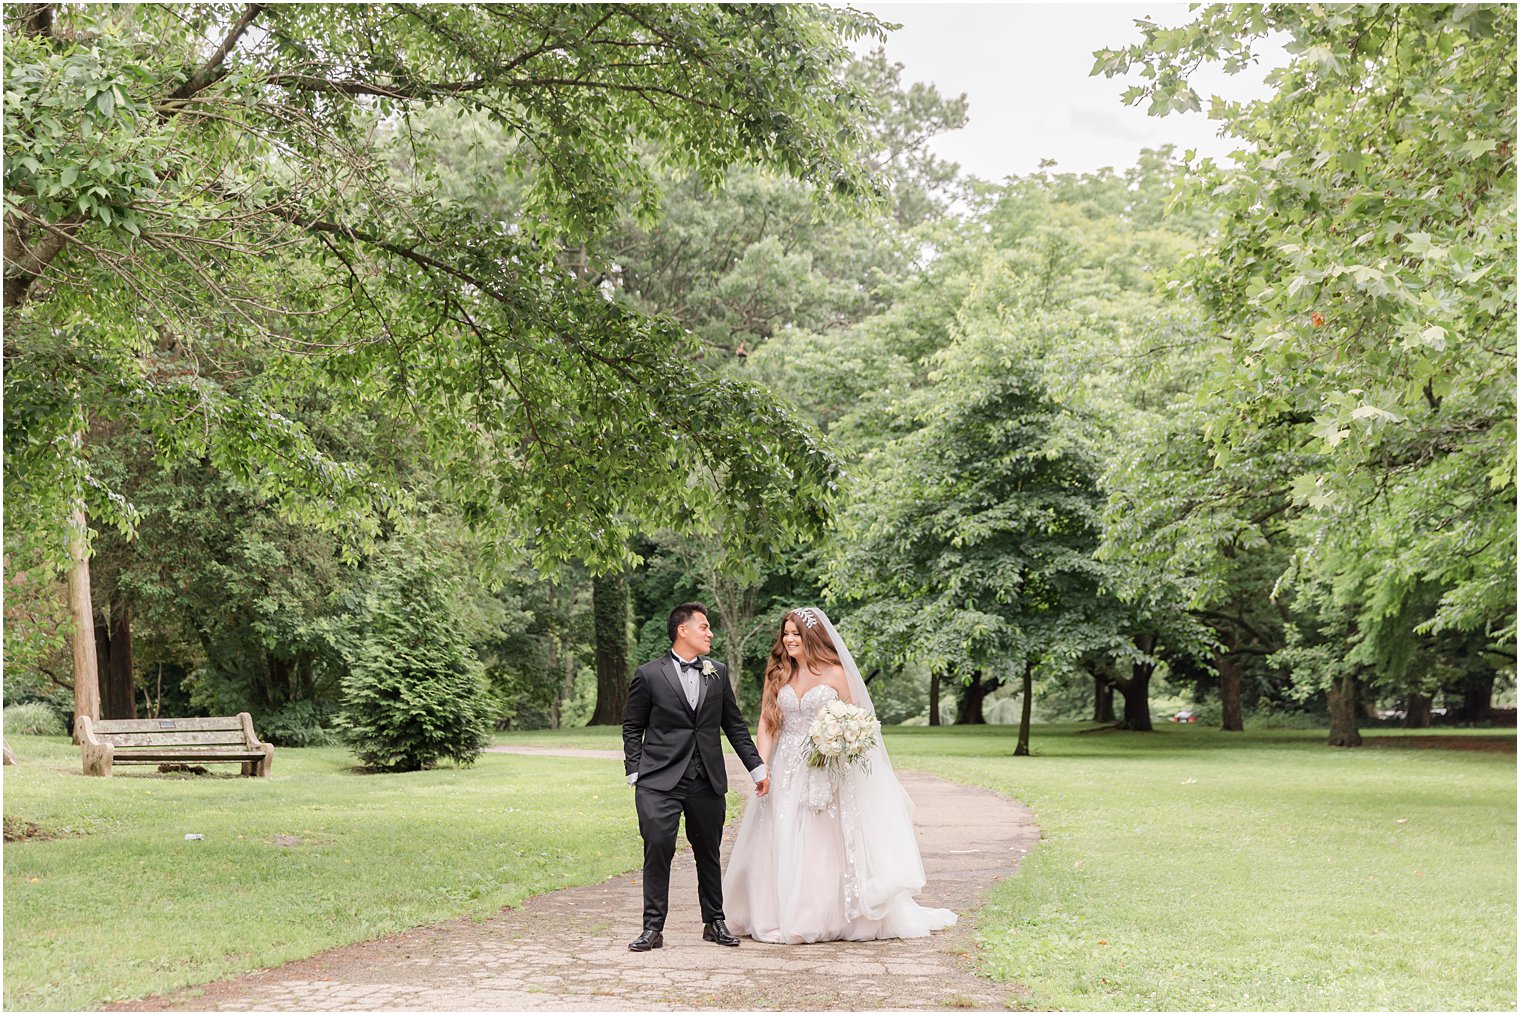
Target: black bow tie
695, 664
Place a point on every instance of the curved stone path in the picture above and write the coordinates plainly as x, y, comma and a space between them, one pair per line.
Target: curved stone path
567, 950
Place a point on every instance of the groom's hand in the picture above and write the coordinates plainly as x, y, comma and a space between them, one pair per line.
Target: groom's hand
762, 787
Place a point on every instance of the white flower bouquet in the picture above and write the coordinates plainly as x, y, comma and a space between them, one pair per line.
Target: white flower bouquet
841, 736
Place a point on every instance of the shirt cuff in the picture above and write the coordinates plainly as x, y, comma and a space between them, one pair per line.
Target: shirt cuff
758, 774
633, 777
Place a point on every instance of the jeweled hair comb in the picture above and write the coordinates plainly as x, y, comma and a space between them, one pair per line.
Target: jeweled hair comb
809, 616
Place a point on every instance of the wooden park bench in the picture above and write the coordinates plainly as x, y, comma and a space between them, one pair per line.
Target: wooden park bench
107, 742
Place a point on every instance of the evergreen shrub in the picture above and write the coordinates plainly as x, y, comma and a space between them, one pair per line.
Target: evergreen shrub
413, 692
299, 724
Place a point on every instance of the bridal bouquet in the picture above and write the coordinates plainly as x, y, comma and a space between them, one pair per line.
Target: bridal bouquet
841, 736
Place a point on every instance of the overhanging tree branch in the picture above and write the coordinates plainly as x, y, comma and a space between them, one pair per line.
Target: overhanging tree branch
212, 69
26, 262
354, 86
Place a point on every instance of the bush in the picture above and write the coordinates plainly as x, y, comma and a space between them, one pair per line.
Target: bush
298, 724
33, 719
413, 692
1265, 716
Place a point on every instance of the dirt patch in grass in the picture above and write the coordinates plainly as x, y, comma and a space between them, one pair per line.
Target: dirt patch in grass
22, 830
1493, 745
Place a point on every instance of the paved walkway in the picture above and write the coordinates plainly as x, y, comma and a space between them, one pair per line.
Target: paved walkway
568, 950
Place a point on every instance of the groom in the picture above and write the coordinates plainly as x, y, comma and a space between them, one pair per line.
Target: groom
674, 760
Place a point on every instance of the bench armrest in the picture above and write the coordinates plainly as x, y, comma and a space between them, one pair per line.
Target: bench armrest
86, 730
248, 733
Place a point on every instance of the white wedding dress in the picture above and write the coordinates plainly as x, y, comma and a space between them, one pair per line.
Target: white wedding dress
816, 860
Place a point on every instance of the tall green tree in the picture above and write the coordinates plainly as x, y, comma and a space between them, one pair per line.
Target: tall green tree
1361, 293
754, 257
969, 546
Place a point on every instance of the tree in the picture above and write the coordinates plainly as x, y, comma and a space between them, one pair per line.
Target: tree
537, 636
413, 691
752, 258
756, 256
1061, 269
1204, 540
969, 545
1361, 293
86, 666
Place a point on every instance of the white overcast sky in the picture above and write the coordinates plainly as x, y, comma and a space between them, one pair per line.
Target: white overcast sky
1024, 68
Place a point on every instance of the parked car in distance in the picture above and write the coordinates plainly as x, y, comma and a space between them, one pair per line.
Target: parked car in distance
1186, 715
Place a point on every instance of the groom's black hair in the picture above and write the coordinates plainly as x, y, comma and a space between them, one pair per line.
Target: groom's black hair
680, 615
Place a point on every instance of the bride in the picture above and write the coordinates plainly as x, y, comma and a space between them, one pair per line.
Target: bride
817, 860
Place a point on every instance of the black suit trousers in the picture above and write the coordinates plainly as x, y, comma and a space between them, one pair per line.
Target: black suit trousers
659, 812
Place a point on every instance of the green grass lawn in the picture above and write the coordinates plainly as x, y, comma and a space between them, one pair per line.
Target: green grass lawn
1193, 869
1184, 869
121, 905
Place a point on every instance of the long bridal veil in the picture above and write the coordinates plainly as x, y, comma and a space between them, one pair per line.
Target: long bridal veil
883, 867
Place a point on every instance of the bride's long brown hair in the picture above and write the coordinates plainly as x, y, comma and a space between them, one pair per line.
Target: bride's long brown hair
817, 652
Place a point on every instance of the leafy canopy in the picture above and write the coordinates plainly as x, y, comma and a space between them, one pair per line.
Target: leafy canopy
206, 216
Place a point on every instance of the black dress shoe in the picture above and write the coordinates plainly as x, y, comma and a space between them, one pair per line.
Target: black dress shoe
648, 941
717, 933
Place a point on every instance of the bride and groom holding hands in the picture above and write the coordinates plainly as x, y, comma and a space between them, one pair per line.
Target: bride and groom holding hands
818, 857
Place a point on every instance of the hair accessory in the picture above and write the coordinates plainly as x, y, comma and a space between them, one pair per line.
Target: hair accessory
809, 616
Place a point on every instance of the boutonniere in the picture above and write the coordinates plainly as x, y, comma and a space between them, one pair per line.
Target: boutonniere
708, 669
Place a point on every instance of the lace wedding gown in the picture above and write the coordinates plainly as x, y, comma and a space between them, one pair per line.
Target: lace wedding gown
816, 861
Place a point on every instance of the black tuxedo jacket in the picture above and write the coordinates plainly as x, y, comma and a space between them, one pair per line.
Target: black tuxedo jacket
660, 730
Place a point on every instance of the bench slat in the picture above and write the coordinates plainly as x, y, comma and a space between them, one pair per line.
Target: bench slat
223, 722
129, 741
186, 755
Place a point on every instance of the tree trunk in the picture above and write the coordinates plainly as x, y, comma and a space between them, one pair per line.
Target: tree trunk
113, 642
1342, 699
969, 711
1137, 688
1416, 711
10, 755
734, 604
562, 662
1231, 673
152, 704
609, 608
934, 699
1477, 698
1022, 750
1103, 699
86, 669
1137, 699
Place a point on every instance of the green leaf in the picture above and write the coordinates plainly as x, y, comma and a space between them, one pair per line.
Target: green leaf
1476, 149
1434, 337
